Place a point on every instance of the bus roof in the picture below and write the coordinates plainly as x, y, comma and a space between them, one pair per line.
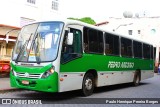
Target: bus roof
104, 30
74, 22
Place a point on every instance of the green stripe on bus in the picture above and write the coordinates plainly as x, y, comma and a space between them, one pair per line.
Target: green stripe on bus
106, 63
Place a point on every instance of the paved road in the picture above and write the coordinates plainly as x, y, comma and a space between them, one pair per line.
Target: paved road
149, 88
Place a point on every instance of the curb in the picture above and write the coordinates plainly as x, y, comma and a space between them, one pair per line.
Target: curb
9, 90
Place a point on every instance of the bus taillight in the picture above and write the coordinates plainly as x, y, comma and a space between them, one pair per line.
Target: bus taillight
5, 67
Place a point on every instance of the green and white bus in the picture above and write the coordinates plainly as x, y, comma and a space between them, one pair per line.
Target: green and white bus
59, 56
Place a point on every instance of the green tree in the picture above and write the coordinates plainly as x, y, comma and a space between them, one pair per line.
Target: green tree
88, 20
85, 19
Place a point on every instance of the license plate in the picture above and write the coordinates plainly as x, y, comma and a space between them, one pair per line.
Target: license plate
25, 82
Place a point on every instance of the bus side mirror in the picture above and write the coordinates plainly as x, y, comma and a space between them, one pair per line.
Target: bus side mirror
70, 39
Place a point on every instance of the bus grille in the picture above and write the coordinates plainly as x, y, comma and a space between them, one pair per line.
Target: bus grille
28, 75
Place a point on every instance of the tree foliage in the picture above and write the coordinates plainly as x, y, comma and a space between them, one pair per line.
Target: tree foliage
85, 19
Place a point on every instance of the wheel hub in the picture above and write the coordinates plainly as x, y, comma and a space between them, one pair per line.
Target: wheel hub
88, 84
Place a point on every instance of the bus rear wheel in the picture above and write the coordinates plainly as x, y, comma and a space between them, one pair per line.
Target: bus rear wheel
136, 79
88, 84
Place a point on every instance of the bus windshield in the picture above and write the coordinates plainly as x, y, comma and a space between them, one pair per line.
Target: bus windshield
38, 42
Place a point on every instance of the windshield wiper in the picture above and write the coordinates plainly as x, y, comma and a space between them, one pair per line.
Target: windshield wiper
21, 51
38, 60
23, 47
36, 51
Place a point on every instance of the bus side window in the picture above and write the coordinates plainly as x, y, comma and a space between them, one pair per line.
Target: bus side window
111, 44
126, 47
146, 51
86, 40
122, 49
93, 41
137, 49
107, 50
85, 47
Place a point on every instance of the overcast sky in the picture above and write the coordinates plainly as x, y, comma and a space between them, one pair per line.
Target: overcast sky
99, 10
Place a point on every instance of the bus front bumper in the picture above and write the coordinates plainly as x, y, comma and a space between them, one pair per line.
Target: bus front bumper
48, 84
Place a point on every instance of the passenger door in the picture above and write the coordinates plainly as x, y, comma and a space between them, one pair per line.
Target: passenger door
71, 52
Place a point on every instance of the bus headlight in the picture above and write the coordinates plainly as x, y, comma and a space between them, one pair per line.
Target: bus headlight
48, 72
13, 72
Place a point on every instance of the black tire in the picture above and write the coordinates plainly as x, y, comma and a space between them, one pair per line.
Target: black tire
88, 84
136, 79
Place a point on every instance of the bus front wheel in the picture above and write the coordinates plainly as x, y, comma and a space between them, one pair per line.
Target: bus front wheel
88, 84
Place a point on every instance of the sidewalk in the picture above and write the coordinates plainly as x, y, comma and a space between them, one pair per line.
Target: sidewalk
5, 85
